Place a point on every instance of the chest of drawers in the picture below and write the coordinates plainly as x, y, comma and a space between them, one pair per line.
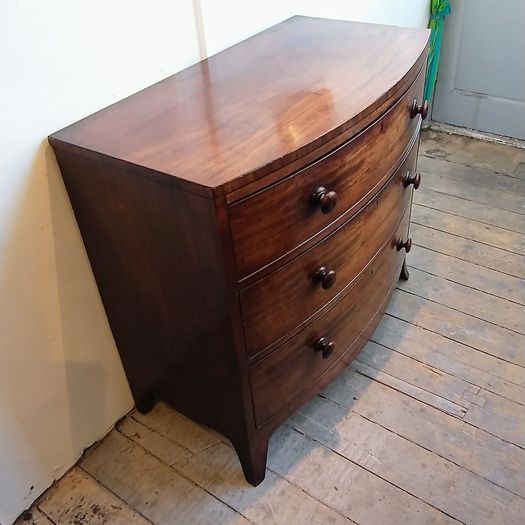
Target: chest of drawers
247, 218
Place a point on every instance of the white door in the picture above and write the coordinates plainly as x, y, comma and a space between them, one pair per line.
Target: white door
481, 79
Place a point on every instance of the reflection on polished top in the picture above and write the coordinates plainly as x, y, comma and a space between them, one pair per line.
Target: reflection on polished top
267, 100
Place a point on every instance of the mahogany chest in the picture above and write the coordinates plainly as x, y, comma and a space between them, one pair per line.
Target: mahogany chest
247, 218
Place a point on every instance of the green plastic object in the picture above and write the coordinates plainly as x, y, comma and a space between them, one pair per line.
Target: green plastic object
439, 9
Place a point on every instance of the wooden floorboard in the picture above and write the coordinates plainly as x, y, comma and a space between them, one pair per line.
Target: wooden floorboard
449, 437
477, 176
79, 498
416, 373
467, 300
34, 517
458, 188
467, 151
428, 476
470, 251
216, 469
500, 416
454, 358
468, 209
453, 324
469, 229
346, 485
427, 424
152, 487
469, 274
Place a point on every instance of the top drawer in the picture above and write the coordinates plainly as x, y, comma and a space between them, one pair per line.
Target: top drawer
274, 221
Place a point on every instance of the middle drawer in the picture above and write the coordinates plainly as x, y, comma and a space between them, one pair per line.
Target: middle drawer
288, 297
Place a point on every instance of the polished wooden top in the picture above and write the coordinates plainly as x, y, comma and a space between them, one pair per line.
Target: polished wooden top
223, 122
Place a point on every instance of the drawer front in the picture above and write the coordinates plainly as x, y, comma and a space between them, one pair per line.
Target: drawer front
274, 221
281, 376
287, 297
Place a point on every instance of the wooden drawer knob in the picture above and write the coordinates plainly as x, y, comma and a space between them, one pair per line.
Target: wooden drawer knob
419, 109
407, 245
324, 346
414, 179
326, 277
325, 199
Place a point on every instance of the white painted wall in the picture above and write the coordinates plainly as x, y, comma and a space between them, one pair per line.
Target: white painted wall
227, 22
61, 381
409, 13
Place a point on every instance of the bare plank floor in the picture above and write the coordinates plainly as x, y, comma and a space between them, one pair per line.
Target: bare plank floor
426, 426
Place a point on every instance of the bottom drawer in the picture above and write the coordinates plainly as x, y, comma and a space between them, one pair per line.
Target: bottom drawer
281, 376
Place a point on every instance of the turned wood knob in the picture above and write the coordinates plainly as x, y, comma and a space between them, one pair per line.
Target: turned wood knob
414, 179
326, 277
407, 245
325, 199
419, 109
325, 346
